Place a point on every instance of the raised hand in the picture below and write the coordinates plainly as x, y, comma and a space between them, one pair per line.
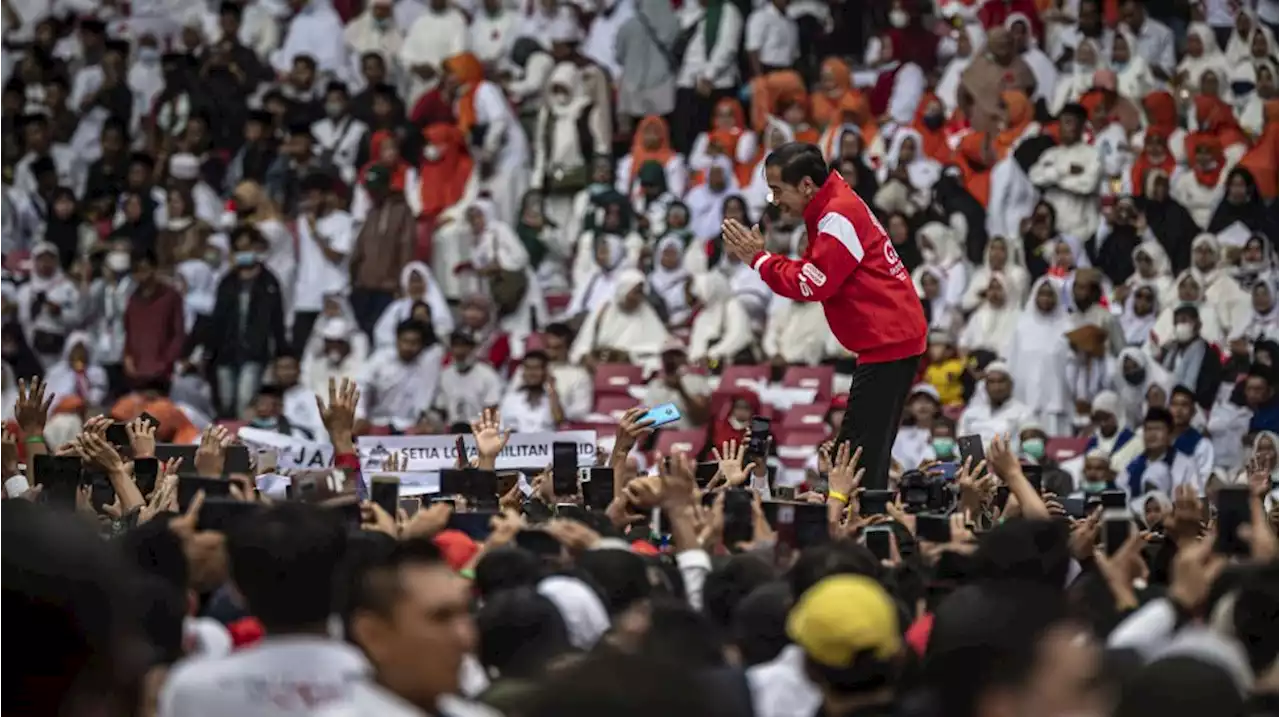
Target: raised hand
211, 455
95, 449
142, 437
31, 409
845, 475
740, 241
339, 416
730, 456
1002, 460
630, 429
429, 522
678, 485
490, 438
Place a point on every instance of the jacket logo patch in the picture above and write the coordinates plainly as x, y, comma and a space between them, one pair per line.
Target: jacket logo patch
814, 274
890, 254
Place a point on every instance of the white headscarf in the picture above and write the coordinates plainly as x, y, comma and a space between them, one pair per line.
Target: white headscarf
1038, 351
706, 205
583, 612
991, 327
1133, 396
923, 171
1162, 275
202, 289
949, 84
641, 332
668, 284
1137, 329
1210, 59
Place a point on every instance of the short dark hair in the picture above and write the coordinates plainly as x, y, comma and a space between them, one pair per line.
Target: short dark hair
317, 181
559, 329
305, 59
1074, 110
505, 569
621, 685
1158, 414
797, 160
234, 9
1187, 311
375, 585
157, 550
250, 231
521, 633
537, 355
283, 563
1181, 390
412, 325
842, 557
728, 584
145, 255
339, 87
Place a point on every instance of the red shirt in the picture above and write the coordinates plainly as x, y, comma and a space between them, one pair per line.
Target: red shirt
154, 331
852, 268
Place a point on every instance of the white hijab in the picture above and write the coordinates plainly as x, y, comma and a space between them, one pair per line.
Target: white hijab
1037, 353
669, 284
1133, 396
994, 324
640, 332
706, 205
1162, 273
1137, 329
384, 332
923, 171
949, 83
1210, 59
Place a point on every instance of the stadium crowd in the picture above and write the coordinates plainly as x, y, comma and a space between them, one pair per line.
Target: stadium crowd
215, 212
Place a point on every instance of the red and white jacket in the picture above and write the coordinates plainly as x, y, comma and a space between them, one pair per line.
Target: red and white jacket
853, 269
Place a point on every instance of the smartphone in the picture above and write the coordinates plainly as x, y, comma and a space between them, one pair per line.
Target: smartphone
874, 502
188, 486
145, 473
1233, 511
148, 418
564, 468
1074, 506
60, 476
1002, 497
811, 525
538, 542
933, 528
947, 470
454, 481
268, 460
507, 480
971, 450
410, 505
572, 511
385, 492
460, 449
1116, 528
473, 525
1035, 476
784, 492
597, 491
482, 488
222, 514
705, 471
661, 415
118, 434
1114, 499
349, 508
738, 527
758, 441
878, 539
1093, 502
101, 492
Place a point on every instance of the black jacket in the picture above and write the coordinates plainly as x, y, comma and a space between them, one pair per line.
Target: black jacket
258, 336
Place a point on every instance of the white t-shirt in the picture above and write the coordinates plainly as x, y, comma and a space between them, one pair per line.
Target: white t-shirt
317, 275
287, 675
774, 35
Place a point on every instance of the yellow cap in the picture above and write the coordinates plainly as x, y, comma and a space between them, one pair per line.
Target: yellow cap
842, 616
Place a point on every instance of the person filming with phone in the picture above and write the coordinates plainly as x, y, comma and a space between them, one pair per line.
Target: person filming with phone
851, 267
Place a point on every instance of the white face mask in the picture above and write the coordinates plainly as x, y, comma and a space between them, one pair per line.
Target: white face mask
899, 18
118, 262
335, 357
431, 153
1184, 332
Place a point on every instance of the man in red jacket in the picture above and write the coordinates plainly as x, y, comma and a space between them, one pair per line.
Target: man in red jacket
866, 293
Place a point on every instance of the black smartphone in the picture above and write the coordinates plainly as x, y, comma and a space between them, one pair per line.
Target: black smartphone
118, 434
785, 492
738, 526
481, 488
454, 481
573, 511
1035, 476
222, 514
933, 528
349, 508
564, 468
411, 505
1114, 499
1116, 528
1233, 511
237, 458
538, 542
148, 418
474, 525
758, 441
878, 539
874, 502
597, 492
101, 492
145, 473
60, 476
1002, 497
811, 525
188, 486
385, 492
1093, 502
705, 471
507, 480
971, 449
1074, 506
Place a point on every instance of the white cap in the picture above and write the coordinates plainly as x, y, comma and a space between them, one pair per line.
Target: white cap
184, 167
44, 247
999, 367
926, 388
565, 29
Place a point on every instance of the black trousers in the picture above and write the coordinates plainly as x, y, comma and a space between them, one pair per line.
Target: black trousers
876, 398
692, 115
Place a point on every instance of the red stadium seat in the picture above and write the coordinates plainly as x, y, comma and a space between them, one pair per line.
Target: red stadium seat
818, 378
743, 377
795, 447
557, 303
677, 441
613, 404
616, 378
375, 430
1064, 449
810, 416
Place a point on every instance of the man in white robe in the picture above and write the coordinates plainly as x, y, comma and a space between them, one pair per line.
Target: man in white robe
440, 33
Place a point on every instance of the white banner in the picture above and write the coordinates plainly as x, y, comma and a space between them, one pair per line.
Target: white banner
421, 454
291, 452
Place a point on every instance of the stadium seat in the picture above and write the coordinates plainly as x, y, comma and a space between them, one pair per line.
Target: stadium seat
1064, 449
616, 378
818, 378
795, 447
557, 303
677, 441
613, 404
811, 416
743, 377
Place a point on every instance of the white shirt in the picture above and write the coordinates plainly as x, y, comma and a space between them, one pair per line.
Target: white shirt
720, 65
433, 38
774, 35
1156, 44
315, 31
574, 386
1074, 195
463, 394
493, 36
396, 393
525, 416
317, 275
988, 422
286, 675
340, 141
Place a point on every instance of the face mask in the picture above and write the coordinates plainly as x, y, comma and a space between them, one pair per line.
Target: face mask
265, 422
382, 24
597, 188
944, 447
1253, 267
464, 365
118, 262
431, 153
245, 258
1184, 332
899, 18
1136, 377
148, 55
1034, 447
335, 357
334, 109
933, 121
1093, 486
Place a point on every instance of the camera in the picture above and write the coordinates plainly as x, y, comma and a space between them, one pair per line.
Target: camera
922, 492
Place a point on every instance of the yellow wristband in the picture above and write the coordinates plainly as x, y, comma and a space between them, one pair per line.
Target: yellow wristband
838, 496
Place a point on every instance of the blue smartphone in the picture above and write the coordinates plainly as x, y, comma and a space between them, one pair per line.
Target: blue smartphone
661, 415
947, 470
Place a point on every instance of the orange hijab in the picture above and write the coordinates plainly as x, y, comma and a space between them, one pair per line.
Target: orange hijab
935, 140
727, 139
1261, 161
1206, 140
1216, 117
444, 180
1143, 164
1020, 115
825, 107
809, 133
977, 174
398, 171
469, 73
639, 154
1162, 112
766, 91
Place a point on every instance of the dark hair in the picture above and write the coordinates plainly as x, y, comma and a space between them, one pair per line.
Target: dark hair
760, 622
536, 354
339, 87
621, 685
1074, 110
305, 59
145, 255
727, 585
521, 632
842, 557
797, 160
234, 9
1158, 414
1031, 551
412, 325
560, 330
247, 230
621, 576
1181, 390
1181, 685
505, 569
1187, 311
375, 585
155, 549
317, 181
163, 608
680, 635
283, 563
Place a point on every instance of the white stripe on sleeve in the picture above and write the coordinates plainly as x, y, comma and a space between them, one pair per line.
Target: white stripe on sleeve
842, 229
764, 256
